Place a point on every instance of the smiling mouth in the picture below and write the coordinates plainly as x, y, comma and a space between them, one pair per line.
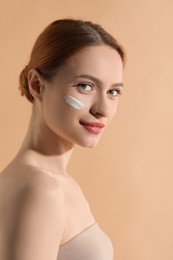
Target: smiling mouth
93, 127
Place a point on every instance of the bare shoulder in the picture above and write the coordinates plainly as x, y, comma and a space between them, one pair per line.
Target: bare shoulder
24, 177
41, 182
37, 218
45, 193
42, 187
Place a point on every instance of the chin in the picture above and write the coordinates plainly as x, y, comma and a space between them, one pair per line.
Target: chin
89, 144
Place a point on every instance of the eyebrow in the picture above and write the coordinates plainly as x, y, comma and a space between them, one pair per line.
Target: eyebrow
98, 81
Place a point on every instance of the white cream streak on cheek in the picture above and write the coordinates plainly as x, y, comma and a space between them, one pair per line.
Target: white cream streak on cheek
73, 102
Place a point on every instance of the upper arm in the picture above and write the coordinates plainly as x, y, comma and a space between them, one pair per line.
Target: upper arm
40, 223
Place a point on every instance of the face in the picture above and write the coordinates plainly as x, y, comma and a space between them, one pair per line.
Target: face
81, 100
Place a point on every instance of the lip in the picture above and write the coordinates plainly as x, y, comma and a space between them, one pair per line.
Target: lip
93, 127
94, 124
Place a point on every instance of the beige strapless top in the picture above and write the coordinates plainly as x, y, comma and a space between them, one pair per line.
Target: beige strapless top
91, 244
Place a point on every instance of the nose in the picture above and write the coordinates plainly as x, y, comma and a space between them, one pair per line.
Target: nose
101, 108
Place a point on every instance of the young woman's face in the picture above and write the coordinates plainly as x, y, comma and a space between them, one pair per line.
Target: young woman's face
82, 98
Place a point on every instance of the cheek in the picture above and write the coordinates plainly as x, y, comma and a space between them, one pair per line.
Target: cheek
59, 113
113, 110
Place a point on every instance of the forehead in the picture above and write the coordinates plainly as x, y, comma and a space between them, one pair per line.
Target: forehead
100, 61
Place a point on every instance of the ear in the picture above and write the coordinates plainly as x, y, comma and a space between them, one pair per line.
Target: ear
35, 83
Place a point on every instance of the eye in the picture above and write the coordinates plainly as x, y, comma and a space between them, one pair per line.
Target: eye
114, 92
85, 87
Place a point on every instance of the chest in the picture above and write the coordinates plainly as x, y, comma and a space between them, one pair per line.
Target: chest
78, 212
77, 206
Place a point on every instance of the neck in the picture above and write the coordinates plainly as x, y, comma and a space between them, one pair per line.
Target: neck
42, 148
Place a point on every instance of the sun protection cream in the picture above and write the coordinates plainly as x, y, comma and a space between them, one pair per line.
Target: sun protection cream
73, 102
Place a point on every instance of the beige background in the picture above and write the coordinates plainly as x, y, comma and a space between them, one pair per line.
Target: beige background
128, 178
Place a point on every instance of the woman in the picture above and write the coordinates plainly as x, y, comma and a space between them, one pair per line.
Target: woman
73, 80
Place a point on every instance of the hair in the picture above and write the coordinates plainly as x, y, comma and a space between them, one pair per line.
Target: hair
58, 42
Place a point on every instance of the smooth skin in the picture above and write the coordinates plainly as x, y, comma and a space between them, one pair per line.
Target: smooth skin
41, 205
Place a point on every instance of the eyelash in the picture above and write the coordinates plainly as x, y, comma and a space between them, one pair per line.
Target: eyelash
118, 91
83, 84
